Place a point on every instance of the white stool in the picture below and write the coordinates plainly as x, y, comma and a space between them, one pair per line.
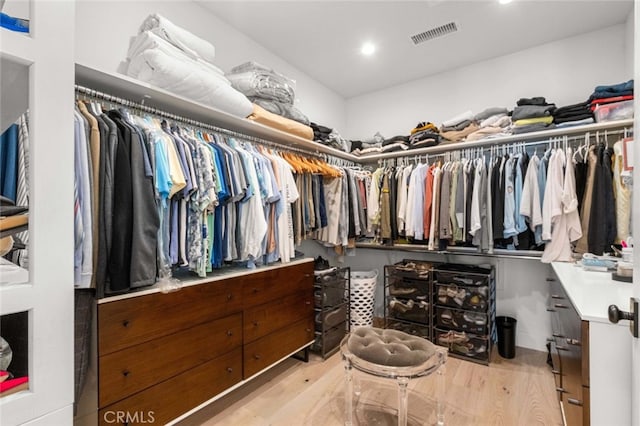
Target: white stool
395, 355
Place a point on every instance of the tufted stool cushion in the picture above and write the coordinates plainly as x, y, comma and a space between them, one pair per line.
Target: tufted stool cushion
388, 347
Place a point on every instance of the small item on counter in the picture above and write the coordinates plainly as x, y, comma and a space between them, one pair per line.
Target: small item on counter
594, 264
624, 272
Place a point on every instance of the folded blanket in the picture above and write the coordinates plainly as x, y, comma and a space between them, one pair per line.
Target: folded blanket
583, 122
456, 136
610, 100
526, 121
490, 112
536, 100
148, 40
424, 126
498, 120
458, 126
285, 110
179, 37
263, 84
467, 115
255, 66
574, 117
485, 132
532, 111
187, 79
532, 128
262, 116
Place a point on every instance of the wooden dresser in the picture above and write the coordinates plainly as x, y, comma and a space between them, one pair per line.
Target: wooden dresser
161, 355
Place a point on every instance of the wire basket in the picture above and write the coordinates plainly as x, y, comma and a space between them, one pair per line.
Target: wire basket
362, 292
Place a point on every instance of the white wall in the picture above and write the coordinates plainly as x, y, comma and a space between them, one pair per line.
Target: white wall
521, 288
629, 45
564, 71
103, 30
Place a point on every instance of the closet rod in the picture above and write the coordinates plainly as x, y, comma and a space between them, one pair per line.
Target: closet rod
141, 107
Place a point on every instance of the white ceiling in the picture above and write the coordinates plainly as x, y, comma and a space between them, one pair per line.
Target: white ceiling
323, 38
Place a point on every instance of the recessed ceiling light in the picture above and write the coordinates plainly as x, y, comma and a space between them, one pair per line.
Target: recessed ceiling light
504, 1
368, 49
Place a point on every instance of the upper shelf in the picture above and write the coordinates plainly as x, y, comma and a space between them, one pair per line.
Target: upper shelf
122, 86
16, 46
523, 137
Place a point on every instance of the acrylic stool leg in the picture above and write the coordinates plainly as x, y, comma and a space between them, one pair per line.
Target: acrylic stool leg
403, 401
348, 393
440, 392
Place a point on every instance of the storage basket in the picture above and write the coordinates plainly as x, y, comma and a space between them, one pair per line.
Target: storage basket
362, 292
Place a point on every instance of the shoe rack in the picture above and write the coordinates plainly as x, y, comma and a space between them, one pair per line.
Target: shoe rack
451, 305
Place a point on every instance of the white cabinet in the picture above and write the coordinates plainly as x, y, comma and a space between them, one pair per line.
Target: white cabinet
42, 61
593, 374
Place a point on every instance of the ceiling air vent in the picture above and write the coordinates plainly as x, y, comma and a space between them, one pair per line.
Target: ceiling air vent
445, 29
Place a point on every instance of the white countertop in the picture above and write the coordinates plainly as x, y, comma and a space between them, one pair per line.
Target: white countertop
591, 292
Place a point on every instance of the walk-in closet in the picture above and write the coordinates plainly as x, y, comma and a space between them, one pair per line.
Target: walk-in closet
319, 213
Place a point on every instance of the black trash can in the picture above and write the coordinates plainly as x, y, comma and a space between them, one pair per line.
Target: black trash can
506, 336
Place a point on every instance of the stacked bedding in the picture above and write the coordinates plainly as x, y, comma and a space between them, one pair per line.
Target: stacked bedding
171, 58
271, 90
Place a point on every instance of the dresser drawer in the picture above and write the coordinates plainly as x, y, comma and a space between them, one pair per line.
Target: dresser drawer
276, 283
269, 349
173, 397
138, 367
136, 320
264, 319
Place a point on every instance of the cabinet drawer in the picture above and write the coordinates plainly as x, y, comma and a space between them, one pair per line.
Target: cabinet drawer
271, 348
264, 319
276, 283
173, 397
128, 322
133, 369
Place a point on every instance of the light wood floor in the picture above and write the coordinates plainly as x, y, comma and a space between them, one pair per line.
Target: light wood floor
519, 391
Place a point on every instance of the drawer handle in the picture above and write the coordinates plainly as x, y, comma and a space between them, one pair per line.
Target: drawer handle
256, 323
126, 373
229, 296
560, 336
562, 348
561, 390
229, 333
550, 280
574, 342
556, 296
125, 323
556, 372
551, 310
256, 356
229, 370
574, 401
307, 275
560, 305
306, 302
308, 330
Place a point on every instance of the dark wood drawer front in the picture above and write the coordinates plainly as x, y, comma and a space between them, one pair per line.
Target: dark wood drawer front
274, 284
131, 370
172, 398
264, 319
128, 322
264, 352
